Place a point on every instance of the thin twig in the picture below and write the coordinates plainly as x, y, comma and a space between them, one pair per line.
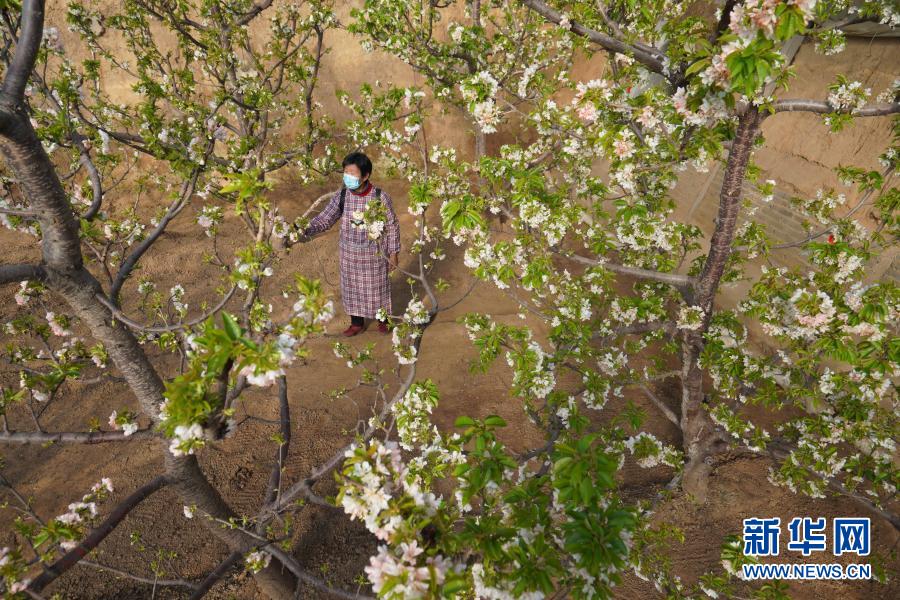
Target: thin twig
120, 316
93, 539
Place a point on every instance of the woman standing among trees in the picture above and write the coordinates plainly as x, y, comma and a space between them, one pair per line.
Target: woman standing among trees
369, 243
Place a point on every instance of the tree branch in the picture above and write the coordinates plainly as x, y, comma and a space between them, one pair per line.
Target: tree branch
61, 248
94, 174
187, 189
680, 281
96, 536
73, 437
253, 13
294, 567
646, 55
120, 316
724, 21
778, 451
22, 272
697, 440
27, 47
721, 244
668, 412
815, 106
667, 326
216, 574
138, 578
15, 212
195, 489
886, 174
304, 486
274, 488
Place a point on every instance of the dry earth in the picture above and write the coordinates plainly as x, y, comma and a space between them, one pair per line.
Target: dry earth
326, 543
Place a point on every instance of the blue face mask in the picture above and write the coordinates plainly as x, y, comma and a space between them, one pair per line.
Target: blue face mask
351, 181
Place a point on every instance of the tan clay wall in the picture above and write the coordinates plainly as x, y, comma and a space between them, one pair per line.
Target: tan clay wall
800, 153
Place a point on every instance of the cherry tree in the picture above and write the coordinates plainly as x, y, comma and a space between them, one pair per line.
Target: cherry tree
213, 114
626, 294
630, 294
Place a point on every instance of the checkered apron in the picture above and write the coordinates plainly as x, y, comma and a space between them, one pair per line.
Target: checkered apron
365, 285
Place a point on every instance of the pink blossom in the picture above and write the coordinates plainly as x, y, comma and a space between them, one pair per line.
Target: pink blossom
55, 327
103, 484
679, 101
623, 148
735, 24
69, 518
410, 551
763, 17
21, 297
381, 566
19, 586
263, 379
588, 112
647, 118
717, 72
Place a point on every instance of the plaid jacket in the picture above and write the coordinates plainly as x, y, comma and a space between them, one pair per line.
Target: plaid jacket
365, 286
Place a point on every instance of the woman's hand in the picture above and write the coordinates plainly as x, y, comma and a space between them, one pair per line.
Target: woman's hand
282, 243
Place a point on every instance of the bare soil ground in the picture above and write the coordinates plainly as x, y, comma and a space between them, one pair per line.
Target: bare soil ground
326, 543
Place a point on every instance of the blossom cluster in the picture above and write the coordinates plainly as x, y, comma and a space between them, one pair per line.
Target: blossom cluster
479, 92
533, 371
59, 324
690, 317
12, 569
257, 561
405, 334
650, 451
373, 475
186, 438
248, 270
209, 218
124, 422
65, 530
187, 410
750, 21
27, 291
411, 414
372, 220
176, 297
398, 576
847, 96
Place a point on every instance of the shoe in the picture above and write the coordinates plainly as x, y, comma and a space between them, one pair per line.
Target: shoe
353, 330
383, 328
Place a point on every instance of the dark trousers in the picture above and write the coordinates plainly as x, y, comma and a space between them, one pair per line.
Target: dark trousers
354, 320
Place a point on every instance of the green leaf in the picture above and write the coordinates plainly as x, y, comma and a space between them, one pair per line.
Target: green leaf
697, 67
494, 421
464, 422
231, 327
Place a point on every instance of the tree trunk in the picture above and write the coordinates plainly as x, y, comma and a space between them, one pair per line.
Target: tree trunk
60, 244
61, 253
80, 290
67, 276
195, 490
699, 435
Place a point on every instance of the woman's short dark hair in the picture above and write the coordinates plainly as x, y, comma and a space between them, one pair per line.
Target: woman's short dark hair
360, 160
